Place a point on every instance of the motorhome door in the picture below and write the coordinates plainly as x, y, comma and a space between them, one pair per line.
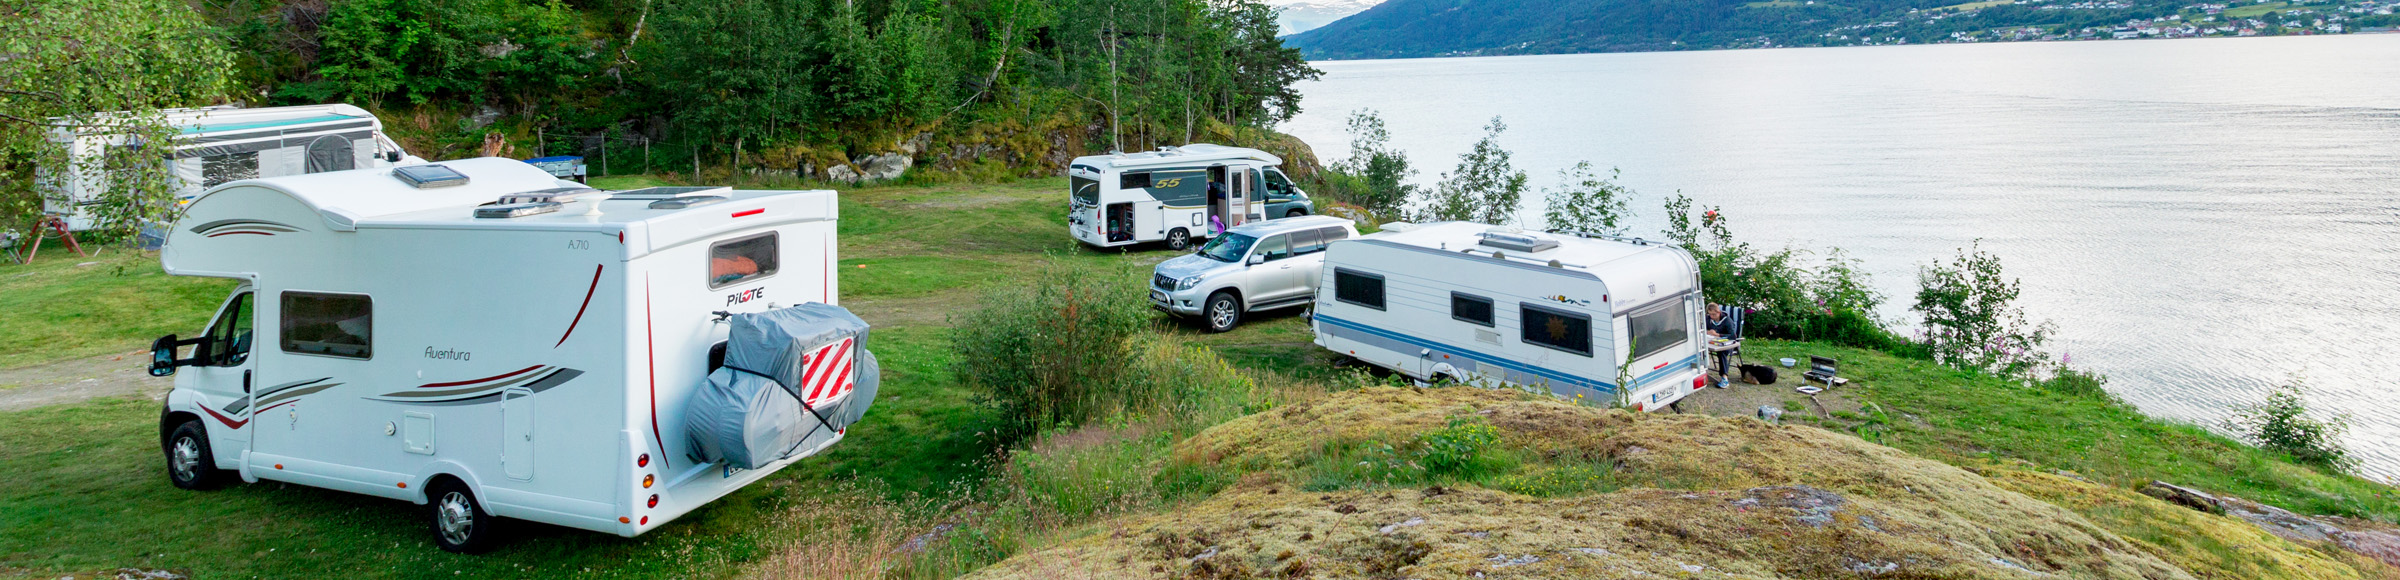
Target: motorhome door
225, 379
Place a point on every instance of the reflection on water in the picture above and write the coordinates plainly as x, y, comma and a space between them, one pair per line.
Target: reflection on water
2201, 218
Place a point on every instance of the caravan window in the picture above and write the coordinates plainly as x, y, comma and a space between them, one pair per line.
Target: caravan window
221, 169
1357, 287
1557, 329
1657, 329
323, 324
741, 260
1471, 308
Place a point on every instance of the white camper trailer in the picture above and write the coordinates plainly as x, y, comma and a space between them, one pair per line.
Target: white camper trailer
482, 337
1496, 306
216, 145
1154, 196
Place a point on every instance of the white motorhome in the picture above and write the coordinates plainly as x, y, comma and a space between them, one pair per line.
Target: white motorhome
1494, 306
408, 333
217, 145
1163, 196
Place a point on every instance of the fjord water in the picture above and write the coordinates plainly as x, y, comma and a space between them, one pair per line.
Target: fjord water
2202, 219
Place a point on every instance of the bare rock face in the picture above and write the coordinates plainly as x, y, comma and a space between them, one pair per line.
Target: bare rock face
842, 173
2373, 540
885, 167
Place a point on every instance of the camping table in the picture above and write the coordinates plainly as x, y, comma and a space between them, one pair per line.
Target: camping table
1724, 349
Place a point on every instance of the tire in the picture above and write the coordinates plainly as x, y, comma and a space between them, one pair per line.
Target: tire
1179, 239
190, 463
1296, 212
457, 519
1222, 313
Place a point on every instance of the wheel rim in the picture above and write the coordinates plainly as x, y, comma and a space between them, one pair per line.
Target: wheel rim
184, 458
1220, 314
1178, 239
455, 517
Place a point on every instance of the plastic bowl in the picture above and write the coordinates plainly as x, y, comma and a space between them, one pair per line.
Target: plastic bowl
1789, 363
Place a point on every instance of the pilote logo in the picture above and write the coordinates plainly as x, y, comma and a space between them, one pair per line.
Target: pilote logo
745, 296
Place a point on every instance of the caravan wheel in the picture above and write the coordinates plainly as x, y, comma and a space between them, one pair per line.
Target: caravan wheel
189, 464
1179, 239
459, 522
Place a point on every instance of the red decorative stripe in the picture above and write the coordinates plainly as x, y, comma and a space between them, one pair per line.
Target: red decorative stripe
244, 232
255, 413
228, 421
749, 212
650, 332
587, 303
1662, 365
453, 384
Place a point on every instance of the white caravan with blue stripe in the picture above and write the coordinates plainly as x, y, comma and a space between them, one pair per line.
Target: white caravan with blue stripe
1497, 306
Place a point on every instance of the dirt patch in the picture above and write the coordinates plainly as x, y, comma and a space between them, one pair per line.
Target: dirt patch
75, 380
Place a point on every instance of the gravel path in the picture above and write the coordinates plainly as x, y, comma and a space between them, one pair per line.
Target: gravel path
75, 380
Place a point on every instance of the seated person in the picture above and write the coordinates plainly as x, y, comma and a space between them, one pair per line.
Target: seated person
1721, 327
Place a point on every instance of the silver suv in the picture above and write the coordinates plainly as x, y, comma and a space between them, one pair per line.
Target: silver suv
1252, 267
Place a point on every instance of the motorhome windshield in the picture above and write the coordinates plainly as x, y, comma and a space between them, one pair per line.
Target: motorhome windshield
1086, 190
1228, 248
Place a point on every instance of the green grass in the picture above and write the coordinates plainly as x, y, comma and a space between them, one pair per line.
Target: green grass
82, 486
63, 306
2255, 10
1975, 5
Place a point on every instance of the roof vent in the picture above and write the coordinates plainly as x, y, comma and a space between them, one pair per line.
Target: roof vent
659, 193
516, 210
557, 194
1519, 242
428, 176
1397, 226
684, 202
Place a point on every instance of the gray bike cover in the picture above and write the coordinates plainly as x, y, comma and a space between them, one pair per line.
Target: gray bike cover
751, 412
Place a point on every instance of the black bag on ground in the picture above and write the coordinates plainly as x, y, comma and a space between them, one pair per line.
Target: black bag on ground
1758, 374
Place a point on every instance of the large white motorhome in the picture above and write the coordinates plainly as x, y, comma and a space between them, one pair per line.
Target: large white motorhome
1162, 196
217, 145
1494, 306
479, 336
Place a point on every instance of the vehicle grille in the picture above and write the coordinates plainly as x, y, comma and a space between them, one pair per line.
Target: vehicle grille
1163, 282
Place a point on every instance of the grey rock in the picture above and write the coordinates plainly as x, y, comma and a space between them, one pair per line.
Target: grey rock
842, 173
885, 166
483, 117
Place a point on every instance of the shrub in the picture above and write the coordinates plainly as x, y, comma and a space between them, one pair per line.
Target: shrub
2281, 424
2068, 381
1834, 303
1375, 176
1585, 202
1485, 187
1458, 448
1054, 351
1971, 320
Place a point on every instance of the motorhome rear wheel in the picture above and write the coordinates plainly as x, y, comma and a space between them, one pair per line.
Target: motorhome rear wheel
1179, 240
459, 522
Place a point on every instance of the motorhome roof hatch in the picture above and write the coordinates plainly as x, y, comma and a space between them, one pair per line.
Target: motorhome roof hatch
428, 176
557, 194
684, 202
516, 209
672, 192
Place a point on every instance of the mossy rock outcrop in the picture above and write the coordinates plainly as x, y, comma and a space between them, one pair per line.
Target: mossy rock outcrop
1695, 497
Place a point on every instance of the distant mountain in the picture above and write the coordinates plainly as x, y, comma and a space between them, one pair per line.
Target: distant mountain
1304, 15
1421, 28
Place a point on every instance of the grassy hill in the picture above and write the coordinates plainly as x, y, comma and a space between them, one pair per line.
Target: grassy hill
1946, 473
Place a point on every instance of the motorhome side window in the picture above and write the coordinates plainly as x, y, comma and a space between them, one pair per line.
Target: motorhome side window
325, 324
1656, 329
1358, 288
1557, 329
1471, 308
736, 261
229, 340
1131, 180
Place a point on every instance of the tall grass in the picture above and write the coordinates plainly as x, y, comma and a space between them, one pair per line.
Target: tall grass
1054, 351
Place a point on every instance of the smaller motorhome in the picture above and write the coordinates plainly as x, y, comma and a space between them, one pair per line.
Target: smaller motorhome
1163, 196
482, 338
1601, 319
218, 145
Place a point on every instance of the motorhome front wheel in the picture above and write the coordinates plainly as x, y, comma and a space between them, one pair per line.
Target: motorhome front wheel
189, 465
1179, 240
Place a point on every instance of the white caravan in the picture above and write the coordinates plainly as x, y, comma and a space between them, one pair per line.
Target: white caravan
217, 145
1153, 196
409, 334
1494, 306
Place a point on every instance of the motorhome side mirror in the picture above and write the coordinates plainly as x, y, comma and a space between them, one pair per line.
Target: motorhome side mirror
162, 356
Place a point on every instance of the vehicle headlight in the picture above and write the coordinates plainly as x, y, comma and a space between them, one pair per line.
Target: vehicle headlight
1187, 283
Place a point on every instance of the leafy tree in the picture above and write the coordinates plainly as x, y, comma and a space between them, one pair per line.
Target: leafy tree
367, 44
1484, 188
1971, 319
1377, 173
99, 67
1586, 202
